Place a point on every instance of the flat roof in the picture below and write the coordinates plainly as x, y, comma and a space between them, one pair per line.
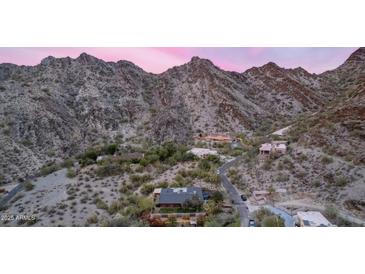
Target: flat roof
313, 218
179, 195
265, 146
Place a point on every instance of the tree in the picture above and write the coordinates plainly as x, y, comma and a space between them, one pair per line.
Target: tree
147, 189
144, 204
211, 207
271, 190
272, 221
28, 186
217, 196
70, 173
111, 149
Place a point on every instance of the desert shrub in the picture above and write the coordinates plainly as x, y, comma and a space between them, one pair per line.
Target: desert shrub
282, 177
31, 221
341, 181
162, 185
326, 160
213, 221
28, 186
180, 179
115, 207
272, 221
217, 196
109, 169
100, 204
71, 173
267, 164
6, 131
265, 217
27, 143
68, 163
301, 174
140, 179
111, 149
261, 213
271, 189
93, 219
48, 169
2, 88
144, 204
147, 189
204, 164
303, 157
212, 178
331, 212
317, 183
119, 222
169, 153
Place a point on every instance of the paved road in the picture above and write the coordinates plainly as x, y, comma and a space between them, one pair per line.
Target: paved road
4, 200
233, 193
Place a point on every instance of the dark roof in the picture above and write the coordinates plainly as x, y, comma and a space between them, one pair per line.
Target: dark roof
179, 195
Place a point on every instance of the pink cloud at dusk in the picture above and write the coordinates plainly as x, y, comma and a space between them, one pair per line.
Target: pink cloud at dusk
157, 60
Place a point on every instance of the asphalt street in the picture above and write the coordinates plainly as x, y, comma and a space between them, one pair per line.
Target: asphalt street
233, 193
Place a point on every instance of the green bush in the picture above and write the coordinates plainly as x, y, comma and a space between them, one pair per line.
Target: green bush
341, 181
272, 221
110, 149
100, 204
326, 160
267, 164
119, 222
115, 207
282, 177
217, 196
93, 219
28, 186
331, 212
147, 189
68, 163
204, 164
140, 179
71, 173
48, 169
109, 169
169, 153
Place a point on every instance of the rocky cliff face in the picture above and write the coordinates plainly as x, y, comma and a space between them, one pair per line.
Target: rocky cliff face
59, 107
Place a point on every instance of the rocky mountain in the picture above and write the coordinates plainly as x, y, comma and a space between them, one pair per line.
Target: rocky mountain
58, 108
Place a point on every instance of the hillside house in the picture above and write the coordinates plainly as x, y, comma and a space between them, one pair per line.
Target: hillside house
311, 219
277, 147
265, 149
176, 197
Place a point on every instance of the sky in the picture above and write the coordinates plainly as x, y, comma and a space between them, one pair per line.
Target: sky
157, 60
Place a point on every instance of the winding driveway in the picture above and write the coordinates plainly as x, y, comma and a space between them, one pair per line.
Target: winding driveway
232, 191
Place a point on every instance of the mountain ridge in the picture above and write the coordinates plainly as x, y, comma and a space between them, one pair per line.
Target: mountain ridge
61, 106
